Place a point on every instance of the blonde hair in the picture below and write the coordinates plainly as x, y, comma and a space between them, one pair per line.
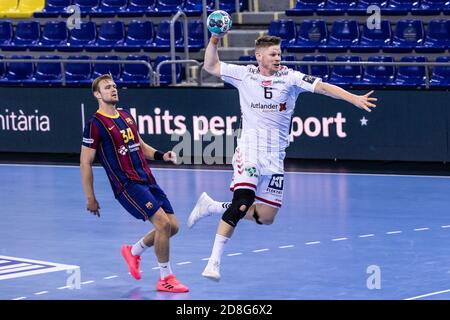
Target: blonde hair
96, 82
267, 41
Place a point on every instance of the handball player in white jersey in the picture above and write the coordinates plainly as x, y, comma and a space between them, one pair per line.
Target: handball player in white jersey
267, 95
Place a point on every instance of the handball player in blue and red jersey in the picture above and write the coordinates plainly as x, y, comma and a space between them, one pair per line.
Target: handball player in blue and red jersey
111, 134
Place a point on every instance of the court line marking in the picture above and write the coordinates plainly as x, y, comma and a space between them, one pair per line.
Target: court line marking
428, 294
41, 292
339, 239
184, 262
230, 170
19, 298
287, 246
366, 235
394, 232
260, 250
312, 242
421, 229
234, 254
87, 282
110, 277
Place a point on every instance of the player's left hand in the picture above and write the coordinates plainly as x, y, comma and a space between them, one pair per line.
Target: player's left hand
363, 102
170, 156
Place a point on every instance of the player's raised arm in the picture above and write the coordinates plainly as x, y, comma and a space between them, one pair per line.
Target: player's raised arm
212, 62
362, 102
87, 179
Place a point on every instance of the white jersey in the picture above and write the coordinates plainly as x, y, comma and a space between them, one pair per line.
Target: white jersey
267, 103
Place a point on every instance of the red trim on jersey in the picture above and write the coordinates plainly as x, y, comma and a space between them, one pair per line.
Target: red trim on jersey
269, 202
243, 184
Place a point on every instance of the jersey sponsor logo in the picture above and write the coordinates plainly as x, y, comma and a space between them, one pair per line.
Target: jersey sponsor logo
111, 128
266, 83
276, 182
149, 205
309, 79
88, 140
264, 106
279, 82
254, 78
251, 171
122, 150
134, 147
282, 106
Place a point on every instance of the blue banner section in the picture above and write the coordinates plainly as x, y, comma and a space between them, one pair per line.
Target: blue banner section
202, 123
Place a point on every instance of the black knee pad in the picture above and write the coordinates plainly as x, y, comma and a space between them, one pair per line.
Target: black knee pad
241, 197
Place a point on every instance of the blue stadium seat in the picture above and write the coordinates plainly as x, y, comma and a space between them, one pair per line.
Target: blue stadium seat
196, 39
305, 7
247, 58
110, 35
166, 70
362, 5
19, 72
343, 35
162, 38
81, 38
166, 8
429, 7
400, 7
140, 35
104, 68
135, 74
372, 40
336, 7
408, 35
54, 34
285, 29
194, 7
6, 34
138, 8
48, 73
289, 58
378, 75
411, 76
311, 34
78, 73
87, 6
229, 5
27, 34
346, 75
109, 8
437, 38
321, 71
53, 8
440, 77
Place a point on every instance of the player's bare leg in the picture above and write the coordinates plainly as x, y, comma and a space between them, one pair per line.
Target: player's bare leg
167, 281
261, 213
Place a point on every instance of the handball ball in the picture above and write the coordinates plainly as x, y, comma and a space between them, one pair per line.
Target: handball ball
219, 22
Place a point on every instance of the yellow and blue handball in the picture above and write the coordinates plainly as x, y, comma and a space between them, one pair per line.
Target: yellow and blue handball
219, 23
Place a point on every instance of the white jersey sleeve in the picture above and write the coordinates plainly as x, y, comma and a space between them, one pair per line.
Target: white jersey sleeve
232, 73
304, 82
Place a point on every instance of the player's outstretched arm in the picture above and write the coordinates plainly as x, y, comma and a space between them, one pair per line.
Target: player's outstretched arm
362, 102
87, 179
212, 62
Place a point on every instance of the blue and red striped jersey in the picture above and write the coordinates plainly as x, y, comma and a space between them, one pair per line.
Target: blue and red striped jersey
116, 140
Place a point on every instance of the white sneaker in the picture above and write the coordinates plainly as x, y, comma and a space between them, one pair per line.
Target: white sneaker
200, 210
212, 270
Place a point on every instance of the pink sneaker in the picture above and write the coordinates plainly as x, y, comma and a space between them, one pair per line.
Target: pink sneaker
132, 261
171, 284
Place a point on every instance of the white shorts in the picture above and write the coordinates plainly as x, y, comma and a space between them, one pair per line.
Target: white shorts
264, 175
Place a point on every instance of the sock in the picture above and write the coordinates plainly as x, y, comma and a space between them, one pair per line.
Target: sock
165, 269
219, 245
138, 248
218, 207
